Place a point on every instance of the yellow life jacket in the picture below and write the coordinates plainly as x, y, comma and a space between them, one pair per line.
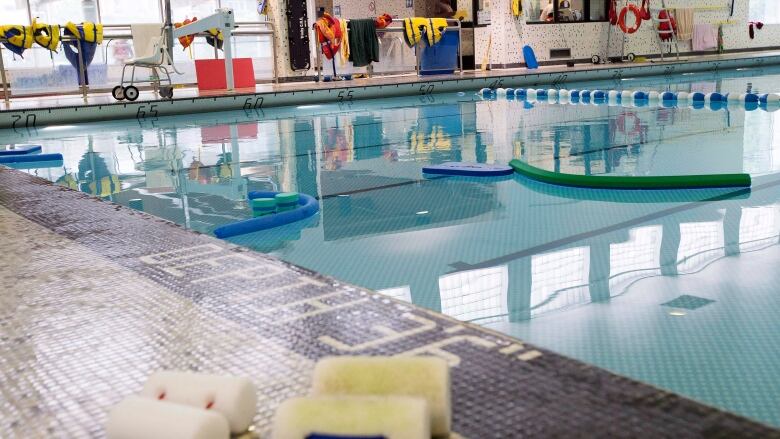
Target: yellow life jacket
517, 8
413, 29
434, 29
18, 35
216, 37
46, 35
93, 33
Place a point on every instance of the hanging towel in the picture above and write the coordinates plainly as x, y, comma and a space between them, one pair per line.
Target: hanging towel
345, 42
143, 38
363, 42
705, 37
684, 23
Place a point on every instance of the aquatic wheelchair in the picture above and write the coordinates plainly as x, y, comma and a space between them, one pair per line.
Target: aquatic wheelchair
157, 63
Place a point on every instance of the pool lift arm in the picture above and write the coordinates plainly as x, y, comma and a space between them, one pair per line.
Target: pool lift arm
222, 20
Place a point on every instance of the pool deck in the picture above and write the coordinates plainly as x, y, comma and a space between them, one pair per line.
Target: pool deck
97, 296
30, 113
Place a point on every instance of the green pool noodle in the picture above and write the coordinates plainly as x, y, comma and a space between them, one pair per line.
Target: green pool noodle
631, 182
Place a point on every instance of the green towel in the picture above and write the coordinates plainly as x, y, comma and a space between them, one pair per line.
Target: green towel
363, 42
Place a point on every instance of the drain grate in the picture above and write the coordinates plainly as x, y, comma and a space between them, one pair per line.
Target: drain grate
688, 302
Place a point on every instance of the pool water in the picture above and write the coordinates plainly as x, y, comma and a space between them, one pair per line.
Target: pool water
673, 288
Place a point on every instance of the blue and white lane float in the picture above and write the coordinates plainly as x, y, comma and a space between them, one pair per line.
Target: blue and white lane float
307, 206
639, 98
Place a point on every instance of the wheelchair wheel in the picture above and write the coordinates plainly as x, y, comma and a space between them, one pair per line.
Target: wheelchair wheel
166, 92
118, 93
131, 93
595, 59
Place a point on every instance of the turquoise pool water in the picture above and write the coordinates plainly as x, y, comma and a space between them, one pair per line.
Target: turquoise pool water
674, 288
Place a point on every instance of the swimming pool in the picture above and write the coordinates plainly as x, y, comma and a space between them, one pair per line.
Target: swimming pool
674, 288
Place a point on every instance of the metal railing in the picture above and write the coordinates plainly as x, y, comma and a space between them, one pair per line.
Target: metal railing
112, 32
397, 27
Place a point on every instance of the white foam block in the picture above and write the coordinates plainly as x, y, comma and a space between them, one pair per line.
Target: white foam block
143, 418
235, 398
391, 417
426, 377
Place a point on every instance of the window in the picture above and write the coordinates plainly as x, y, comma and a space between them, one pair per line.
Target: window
125, 12
567, 11
14, 12
63, 11
766, 11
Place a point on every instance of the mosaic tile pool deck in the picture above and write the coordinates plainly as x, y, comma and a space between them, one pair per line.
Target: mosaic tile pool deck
95, 297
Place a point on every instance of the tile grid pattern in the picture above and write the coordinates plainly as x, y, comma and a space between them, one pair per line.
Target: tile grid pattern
112, 294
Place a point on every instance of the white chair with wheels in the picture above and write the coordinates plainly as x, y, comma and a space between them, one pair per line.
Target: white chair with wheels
157, 62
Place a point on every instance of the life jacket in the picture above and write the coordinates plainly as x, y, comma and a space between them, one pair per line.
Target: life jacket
435, 29
613, 14
19, 38
383, 21
517, 8
186, 40
413, 30
215, 38
46, 35
664, 27
645, 8
329, 31
92, 32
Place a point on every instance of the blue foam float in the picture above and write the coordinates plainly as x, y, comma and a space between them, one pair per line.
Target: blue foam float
697, 97
668, 96
574, 94
20, 150
468, 169
640, 96
28, 158
307, 206
36, 165
599, 94
486, 92
521, 93
510, 91
541, 93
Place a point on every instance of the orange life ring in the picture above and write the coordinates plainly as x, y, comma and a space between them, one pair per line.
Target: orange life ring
637, 18
329, 31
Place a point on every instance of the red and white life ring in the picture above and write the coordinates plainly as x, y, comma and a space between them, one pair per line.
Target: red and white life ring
637, 18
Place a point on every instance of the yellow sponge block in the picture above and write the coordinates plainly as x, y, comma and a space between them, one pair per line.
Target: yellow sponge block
387, 417
424, 377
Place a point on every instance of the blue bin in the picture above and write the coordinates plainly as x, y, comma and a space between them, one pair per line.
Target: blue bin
441, 58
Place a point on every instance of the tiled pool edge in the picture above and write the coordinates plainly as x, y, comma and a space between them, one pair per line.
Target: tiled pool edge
392, 87
501, 385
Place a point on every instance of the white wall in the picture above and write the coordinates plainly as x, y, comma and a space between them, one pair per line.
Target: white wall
586, 39
373, 8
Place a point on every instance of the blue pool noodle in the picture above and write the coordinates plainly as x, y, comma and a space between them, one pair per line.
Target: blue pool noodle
22, 158
29, 149
308, 206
